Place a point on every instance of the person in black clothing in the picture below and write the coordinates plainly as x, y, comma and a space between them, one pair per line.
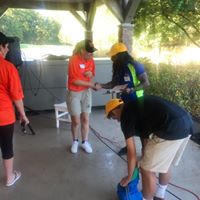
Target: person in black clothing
164, 126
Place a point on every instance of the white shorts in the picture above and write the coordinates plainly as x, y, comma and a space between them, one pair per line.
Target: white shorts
159, 154
79, 102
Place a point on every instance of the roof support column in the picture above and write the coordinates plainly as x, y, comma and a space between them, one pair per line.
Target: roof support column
89, 35
2, 10
125, 35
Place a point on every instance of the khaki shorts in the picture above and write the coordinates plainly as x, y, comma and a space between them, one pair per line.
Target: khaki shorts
159, 154
79, 102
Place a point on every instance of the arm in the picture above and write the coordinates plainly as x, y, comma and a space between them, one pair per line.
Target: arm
88, 74
144, 82
108, 85
16, 94
84, 83
132, 160
77, 75
20, 107
112, 83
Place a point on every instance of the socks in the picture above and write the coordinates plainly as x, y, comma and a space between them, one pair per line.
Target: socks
161, 189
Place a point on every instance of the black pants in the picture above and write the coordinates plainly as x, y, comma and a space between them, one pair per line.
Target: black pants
6, 141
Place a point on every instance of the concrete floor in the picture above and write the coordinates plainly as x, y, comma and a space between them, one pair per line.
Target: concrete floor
51, 172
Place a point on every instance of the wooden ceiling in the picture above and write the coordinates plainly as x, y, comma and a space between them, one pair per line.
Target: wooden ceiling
123, 10
48, 4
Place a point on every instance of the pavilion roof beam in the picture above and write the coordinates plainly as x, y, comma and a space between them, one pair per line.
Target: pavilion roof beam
123, 10
78, 16
130, 10
91, 11
48, 5
115, 8
2, 10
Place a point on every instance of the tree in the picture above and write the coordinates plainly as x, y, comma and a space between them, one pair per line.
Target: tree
30, 27
168, 22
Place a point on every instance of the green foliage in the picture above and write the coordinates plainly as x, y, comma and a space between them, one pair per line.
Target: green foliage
168, 23
180, 84
183, 5
30, 27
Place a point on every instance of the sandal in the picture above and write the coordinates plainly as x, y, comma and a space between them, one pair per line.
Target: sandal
17, 175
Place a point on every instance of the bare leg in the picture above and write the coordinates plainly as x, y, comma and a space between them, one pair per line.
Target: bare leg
148, 184
8, 166
75, 126
162, 186
84, 125
164, 178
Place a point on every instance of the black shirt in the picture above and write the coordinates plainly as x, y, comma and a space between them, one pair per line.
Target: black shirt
152, 114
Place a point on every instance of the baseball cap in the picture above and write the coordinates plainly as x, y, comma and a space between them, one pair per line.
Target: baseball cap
117, 48
4, 39
89, 46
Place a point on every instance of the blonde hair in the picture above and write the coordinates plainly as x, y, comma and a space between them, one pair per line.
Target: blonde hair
84, 44
79, 46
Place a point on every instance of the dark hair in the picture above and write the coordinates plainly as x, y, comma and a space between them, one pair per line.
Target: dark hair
120, 61
4, 39
3, 44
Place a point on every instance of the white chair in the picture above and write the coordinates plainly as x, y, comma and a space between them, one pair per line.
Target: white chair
61, 113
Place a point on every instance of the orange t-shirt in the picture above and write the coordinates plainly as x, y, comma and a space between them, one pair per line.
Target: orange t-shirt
76, 71
10, 90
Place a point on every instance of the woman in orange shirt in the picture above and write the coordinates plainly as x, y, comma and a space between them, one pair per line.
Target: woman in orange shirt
10, 92
81, 70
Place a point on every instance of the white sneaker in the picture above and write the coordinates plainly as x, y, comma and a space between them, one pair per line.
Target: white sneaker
87, 147
17, 175
74, 147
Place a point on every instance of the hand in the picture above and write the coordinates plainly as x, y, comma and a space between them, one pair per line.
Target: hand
23, 119
128, 90
88, 74
97, 86
125, 181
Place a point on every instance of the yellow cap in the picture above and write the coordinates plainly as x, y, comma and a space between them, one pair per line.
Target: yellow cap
117, 48
112, 104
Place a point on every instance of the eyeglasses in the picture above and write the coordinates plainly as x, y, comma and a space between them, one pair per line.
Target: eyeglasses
88, 52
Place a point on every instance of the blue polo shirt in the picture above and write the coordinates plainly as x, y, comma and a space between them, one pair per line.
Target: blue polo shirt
124, 76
